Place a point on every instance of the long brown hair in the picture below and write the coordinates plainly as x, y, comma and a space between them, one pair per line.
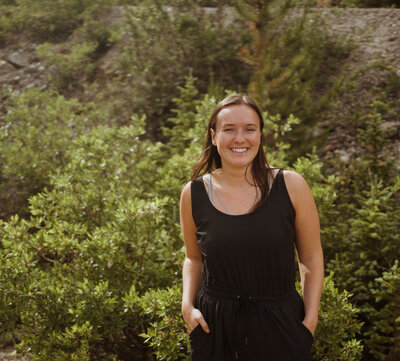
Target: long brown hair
211, 160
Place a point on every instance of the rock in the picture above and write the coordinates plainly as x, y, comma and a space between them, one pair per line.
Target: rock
329, 148
53, 69
390, 128
352, 149
343, 156
318, 132
5, 67
18, 59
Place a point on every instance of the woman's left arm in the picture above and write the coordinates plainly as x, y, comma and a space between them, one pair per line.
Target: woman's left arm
308, 246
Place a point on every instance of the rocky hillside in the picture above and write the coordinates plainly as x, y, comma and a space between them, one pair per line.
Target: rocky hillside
376, 36
375, 33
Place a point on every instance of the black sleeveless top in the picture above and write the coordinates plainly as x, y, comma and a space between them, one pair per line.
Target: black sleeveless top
251, 253
248, 298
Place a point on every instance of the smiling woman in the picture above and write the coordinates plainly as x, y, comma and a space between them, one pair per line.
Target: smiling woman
239, 298
237, 136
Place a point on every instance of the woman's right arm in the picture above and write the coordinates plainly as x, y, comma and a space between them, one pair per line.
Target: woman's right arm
191, 273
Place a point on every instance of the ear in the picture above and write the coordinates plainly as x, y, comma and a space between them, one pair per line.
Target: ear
212, 132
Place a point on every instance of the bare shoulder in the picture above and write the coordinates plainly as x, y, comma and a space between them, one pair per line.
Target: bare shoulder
294, 180
186, 195
297, 187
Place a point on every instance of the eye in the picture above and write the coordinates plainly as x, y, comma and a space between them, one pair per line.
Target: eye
228, 129
251, 129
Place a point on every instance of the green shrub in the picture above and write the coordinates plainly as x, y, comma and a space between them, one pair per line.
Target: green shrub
55, 19
324, 191
370, 246
335, 337
166, 334
163, 42
372, 241
73, 62
48, 20
362, 109
365, 3
37, 131
383, 337
371, 135
7, 23
71, 67
292, 56
90, 238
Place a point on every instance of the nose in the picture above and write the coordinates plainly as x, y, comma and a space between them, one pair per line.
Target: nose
239, 136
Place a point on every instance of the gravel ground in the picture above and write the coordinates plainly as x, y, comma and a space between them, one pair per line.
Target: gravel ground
5, 354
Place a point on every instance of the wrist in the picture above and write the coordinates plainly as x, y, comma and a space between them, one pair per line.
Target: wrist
187, 307
311, 322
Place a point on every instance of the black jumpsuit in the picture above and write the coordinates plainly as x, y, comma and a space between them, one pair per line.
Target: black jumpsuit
248, 298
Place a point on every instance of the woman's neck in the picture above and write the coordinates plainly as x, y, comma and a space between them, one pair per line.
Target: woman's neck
234, 178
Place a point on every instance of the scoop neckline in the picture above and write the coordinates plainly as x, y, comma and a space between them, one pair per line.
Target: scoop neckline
243, 214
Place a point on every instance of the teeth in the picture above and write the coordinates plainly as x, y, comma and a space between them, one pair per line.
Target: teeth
239, 150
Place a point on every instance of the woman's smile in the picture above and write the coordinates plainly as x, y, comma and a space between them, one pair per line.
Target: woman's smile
239, 150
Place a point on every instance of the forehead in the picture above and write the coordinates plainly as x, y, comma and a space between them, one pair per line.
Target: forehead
238, 115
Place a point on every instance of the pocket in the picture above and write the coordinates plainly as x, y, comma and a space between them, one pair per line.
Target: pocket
300, 316
196, 330
201, 345
307, 331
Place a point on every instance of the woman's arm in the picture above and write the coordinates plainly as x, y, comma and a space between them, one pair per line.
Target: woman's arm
191, 273
308, 245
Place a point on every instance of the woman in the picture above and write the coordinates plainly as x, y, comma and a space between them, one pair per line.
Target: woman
241, 222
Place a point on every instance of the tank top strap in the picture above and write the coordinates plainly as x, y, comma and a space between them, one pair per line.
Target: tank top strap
211, 193
281, 191
199, 200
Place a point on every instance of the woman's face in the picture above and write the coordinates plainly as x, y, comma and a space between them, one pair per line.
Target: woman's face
237, 135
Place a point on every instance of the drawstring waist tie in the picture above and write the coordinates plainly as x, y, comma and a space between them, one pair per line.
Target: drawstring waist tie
246, 304
248, 299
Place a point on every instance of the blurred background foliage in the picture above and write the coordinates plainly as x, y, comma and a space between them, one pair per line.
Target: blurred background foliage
91, 169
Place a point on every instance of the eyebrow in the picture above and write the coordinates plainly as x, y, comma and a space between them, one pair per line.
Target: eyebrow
232, 125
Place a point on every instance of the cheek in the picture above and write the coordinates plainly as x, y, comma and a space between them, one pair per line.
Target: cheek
256, 138
219, 138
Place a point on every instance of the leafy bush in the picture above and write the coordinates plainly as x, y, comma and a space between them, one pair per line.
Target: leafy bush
54, 19
365, 3
166, 334
363, 108
7, 23
163, 42
324, 191
335, 337
37, 131
383, 335
89, 239
73, 62
71, 67
292, 56
371, 245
